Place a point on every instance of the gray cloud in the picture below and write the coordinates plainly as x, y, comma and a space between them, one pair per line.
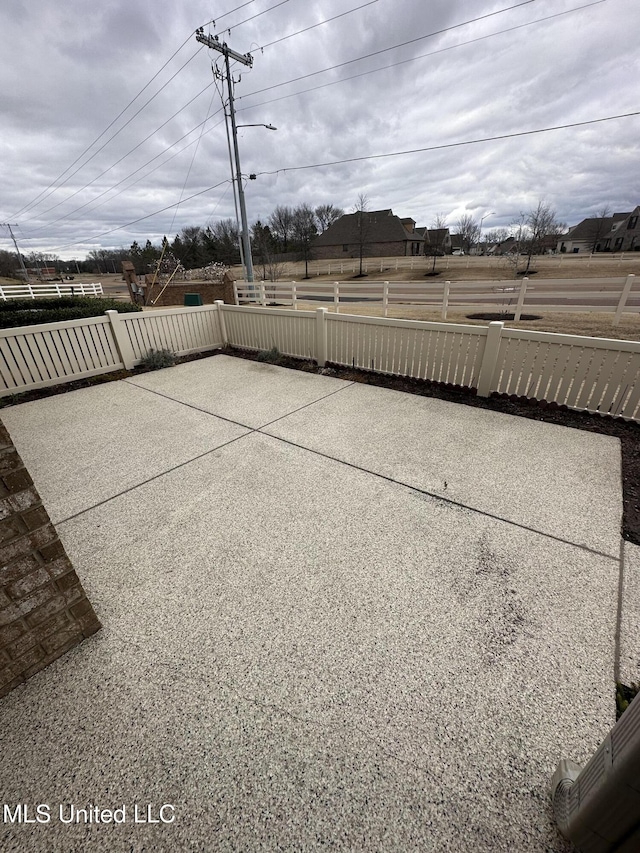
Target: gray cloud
69, 70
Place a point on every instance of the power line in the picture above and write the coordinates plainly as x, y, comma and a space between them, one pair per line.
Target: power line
319, 24
124, 157
110, 125
237, 9
415, 58
111, 138
141, 219
393, 47
450, 144
252, 18
131, 174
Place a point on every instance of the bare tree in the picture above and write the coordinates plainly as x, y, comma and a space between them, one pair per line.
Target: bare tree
361, 208
281, 224
497, 235
540, 223
303, 231
434, 242
326, 215
598, 227
468, 231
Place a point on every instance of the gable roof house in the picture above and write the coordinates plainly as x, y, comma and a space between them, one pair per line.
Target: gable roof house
625, 234
592, 235
383, 234
437, 240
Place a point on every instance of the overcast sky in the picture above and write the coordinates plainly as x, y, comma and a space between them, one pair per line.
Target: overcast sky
70, 69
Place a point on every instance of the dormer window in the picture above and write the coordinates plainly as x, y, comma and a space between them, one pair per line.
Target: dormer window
633, 221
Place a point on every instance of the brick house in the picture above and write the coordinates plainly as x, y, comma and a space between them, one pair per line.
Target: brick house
383, 234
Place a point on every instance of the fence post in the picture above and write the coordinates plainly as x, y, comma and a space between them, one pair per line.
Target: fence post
121, 338
321, 336
235, 293
385, 298
623, 298
445, 299
336, 296
294, 295
219, 303
263, 295
490, 358
523, 290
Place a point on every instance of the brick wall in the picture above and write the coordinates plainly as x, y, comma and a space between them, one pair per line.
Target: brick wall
44, 610
174, 293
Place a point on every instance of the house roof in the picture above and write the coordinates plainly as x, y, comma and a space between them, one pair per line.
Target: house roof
436, 236
382, 226
599, 226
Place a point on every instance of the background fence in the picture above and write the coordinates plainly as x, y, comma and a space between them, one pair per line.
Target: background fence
424, 262
608, 295
591, 374
50, 288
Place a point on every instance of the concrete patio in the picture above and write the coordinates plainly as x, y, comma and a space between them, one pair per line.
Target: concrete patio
334, 616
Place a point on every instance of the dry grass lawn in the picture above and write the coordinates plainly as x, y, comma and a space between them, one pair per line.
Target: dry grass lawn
470, 268
467, 268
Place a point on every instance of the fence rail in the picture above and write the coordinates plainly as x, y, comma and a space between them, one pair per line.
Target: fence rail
591, 374
610, 295
34, 291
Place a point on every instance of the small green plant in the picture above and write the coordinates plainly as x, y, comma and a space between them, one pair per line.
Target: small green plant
272, 356
156, 359
625, 693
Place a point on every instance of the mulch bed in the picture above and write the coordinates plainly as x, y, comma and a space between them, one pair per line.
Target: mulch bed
628, 432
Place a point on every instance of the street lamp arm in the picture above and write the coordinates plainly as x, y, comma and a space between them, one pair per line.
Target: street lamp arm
268, 126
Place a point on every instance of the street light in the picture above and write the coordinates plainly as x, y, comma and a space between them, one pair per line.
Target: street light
491, 213
268, 126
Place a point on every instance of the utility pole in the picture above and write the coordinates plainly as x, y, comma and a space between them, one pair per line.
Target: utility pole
24, 270
245, 59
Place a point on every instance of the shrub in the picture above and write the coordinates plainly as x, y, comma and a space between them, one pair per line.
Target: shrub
156, 359
272, 356
30, 312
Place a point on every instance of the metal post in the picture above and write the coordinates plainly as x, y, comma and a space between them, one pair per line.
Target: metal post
246, 244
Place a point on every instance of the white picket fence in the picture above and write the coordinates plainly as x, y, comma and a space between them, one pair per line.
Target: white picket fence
591, 374
49, 288
607, 295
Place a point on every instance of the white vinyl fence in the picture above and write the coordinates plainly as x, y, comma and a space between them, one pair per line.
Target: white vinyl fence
607, 295
49, 288
52, 353
591, 374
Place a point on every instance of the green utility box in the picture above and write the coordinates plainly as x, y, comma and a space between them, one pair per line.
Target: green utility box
192, 299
